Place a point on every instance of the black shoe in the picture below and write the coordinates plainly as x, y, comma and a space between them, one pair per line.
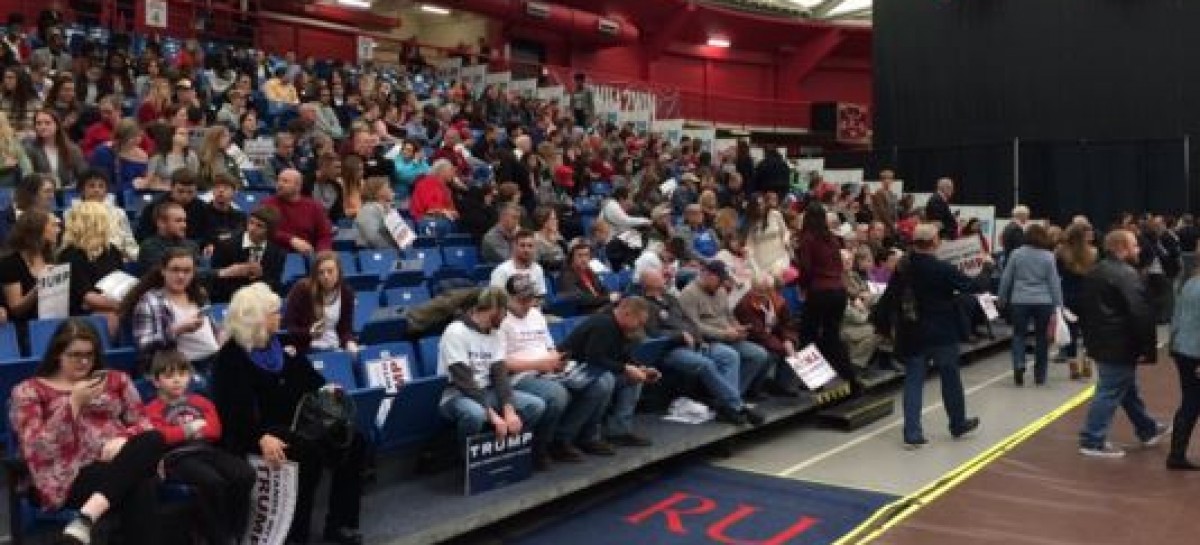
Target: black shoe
754, 417
914, 444
1019, 377
754, 396
629, 440
343, 536
730, 415
1181, 464
596, 448
969, 425
564, 452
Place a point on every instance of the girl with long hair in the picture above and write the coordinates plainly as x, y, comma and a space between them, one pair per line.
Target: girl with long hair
14, 163
214, 159
1075, 257
168, 308
52, 152
19, 99
171, 153
32, 242
320, 308
819, 258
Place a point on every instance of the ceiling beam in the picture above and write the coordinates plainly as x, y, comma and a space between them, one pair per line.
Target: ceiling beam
810, 54
821, 10
663, 37
861, 13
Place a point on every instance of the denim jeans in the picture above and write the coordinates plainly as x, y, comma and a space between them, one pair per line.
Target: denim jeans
590, 394
555, 398
754, 362
1189, 406
619, 416
715, 365
470, 417
1039, 315
945, 358
1115, 387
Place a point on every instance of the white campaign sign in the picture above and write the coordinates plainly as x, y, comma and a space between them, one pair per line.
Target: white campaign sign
54, 292
985, 214
843, 176
272, 502
260, 150
964, 253
400, 230
388, 373
812, 367
987, 302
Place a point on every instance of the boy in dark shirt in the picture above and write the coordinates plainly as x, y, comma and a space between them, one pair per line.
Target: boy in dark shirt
190, 426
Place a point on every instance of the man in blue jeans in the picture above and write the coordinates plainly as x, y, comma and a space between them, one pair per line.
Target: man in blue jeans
471, 353
1118, 324
918, 311
574, 400
715, 365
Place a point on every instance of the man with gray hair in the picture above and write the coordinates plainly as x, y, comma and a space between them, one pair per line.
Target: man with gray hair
938, 209
498, 241
1013, 235
917, 310
432, 195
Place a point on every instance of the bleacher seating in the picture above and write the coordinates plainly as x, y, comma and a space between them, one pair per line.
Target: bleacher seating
337, 367
428, 350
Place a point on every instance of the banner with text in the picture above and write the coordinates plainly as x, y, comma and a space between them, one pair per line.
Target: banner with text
812, 367
497, 462
272, 502
670, 129
985, 214
54, 292
964, 253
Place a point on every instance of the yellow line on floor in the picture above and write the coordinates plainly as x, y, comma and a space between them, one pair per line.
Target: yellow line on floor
899, 510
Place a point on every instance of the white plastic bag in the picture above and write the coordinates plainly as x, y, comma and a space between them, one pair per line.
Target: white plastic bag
1060, 332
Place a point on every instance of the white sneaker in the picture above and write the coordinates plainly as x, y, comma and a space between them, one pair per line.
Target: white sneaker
1163, 430
1109, 450
78, 531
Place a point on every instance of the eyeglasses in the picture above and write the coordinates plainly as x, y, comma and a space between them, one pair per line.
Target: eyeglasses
180, 270
80, 356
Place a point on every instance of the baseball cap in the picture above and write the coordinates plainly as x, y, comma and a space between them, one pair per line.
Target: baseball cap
183, 84
718, 268
520, 286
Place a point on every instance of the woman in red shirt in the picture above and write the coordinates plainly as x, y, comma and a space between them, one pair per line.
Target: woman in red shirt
86, 439
819, 257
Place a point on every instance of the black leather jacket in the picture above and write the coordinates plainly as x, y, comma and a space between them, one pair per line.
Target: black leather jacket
1115, 314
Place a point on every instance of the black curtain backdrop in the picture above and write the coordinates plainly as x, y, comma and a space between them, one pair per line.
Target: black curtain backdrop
1101, 93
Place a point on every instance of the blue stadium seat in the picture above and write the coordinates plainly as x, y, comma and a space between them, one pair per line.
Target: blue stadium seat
431, 259
585, 222
378, 262
406, 296
12, 372
365, 305
386, 325
247, 200
483, 272
558, 331
461, 257
217, 311
345, 240
136, 201
336, 367
256, 180
349, 262
40, 332
361, 282
414, 417
411, 273
611, 281
294, 267
8, 343
428, 347
564, 307
366, 405
425, 242
457, 239
122, 359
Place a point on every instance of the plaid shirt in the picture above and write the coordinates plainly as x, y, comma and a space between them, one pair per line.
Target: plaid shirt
152, 321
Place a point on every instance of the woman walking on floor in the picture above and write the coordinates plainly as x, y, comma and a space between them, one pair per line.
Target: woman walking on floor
1185, 348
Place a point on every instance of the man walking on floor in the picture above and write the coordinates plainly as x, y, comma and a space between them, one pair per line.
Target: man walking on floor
1119, 332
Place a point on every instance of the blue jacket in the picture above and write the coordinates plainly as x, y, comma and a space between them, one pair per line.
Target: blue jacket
1031, 278
1185, 325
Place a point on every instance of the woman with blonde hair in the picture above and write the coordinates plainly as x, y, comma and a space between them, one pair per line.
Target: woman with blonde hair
257, 387
86, 247
215, 160
371, 222
13, 161
320, 308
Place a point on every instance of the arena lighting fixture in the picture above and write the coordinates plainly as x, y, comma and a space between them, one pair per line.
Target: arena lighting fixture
361, 4
716, 41
436, 10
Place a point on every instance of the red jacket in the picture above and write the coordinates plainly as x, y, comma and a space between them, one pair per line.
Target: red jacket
303, 218
170, 419
750, 312
820, 263
429, 193
100, 133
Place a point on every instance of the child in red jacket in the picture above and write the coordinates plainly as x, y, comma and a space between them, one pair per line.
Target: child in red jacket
190, 426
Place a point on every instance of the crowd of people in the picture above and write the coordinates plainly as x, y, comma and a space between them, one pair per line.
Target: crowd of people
711, 239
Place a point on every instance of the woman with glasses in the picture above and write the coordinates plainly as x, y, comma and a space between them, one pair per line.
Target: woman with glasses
169, 309
86, 440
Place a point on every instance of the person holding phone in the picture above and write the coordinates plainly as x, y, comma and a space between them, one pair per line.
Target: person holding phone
86, 439
320, 309
169, 310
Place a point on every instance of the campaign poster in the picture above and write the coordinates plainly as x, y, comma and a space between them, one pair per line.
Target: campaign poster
494, 463
272, 502
812, 367
54, 292
965, 253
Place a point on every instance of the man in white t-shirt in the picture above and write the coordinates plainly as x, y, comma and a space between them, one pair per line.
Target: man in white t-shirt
521, 263
471, 353
574, 400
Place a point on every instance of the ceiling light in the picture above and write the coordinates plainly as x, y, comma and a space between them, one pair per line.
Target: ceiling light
436, 10
718, 42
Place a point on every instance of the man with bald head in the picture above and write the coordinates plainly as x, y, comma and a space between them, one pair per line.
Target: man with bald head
1119, 332
303, 224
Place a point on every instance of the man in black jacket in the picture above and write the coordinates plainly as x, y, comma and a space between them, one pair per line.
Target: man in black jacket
1119, 332
603, 342
249, 257
938, 210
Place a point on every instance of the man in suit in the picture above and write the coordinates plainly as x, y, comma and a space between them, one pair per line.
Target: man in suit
251, 257
938, 210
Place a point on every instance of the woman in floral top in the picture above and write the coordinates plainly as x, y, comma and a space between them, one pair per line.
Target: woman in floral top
85, 438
